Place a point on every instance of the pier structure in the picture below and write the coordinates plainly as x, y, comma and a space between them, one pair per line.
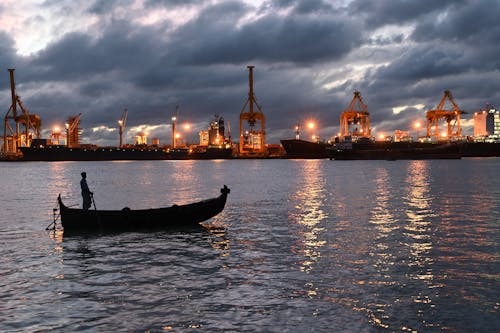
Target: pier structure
252, 140
355, 119
450, 116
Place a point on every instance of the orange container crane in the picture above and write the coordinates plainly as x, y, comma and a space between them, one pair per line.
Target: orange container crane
14, 136
252, 141
451, 117
355, 120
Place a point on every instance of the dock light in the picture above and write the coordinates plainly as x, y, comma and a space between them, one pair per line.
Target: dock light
417, 125
444, 134
174, 118
310, 125
177, 135
56, 129
187, 127
381, 136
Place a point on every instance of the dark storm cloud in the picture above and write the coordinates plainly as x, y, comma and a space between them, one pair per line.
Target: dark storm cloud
213, 38
307, 56
106, 6
383, 12
122, 47
8, 58
300, 7
423, 63
172, 3
473, 28
455, 47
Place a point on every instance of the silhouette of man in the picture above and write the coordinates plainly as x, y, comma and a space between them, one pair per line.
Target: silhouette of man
86, 194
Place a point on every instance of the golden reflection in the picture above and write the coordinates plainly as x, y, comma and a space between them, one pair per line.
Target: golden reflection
184, 173
418, 228
385, 223
57, 236
218, 238
309, 214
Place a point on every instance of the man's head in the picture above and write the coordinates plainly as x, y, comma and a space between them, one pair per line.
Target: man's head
84, 175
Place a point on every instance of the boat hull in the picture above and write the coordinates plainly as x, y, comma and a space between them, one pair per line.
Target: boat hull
396, 151
213, 153
63, 153
295, 148
76, 220
481, 149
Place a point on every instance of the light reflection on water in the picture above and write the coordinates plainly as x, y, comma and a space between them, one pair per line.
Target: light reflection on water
302, 246
309, 200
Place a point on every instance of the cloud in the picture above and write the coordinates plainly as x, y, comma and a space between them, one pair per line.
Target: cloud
385, 12
100, 57
213, 38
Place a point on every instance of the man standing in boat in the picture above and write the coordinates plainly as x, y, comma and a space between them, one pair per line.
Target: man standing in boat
86, 194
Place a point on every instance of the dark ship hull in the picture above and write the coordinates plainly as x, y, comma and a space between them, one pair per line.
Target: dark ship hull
296, 148
481, 149
213, 153
64, 153
395, 151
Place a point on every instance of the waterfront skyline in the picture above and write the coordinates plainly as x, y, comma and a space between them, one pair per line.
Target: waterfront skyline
99, 57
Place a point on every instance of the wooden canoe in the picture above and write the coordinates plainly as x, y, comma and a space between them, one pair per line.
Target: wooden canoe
91, 220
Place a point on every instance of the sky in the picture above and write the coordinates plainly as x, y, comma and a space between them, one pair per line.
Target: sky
98, 57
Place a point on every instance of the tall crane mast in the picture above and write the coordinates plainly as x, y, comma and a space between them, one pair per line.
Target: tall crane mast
13, 137
122, 123
252, 141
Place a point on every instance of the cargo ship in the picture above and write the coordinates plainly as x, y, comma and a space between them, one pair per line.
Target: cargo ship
297, 148
41, 151
481, 149
371, 150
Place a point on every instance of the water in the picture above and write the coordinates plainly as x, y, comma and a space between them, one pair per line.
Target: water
302, 246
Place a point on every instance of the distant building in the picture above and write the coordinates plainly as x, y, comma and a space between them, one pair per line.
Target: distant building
402, 136
215, 135
203, 138
487, 123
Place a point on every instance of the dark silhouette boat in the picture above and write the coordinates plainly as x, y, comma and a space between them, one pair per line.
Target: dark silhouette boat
75, 220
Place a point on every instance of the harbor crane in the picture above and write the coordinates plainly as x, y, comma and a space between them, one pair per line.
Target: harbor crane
451, 117
121, 126
252, 141
14, 136
355, 115
73, 131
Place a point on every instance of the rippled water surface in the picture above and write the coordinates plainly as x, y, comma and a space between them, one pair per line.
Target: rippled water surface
302, 246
